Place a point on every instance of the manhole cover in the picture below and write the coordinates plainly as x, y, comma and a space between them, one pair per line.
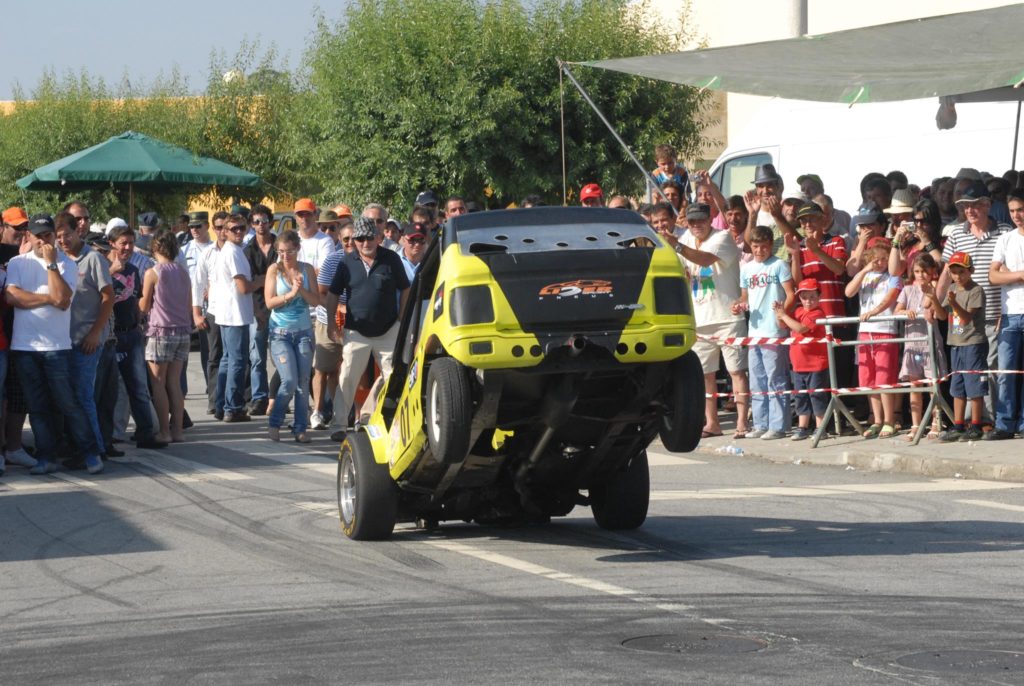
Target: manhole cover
695, 643
1000, 661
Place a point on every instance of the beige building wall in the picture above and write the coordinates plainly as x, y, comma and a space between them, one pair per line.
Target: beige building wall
733, 22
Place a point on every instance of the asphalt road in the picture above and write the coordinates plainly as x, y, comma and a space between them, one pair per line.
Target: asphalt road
221, 561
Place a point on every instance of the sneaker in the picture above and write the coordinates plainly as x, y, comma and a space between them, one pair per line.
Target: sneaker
20, 458
232, 417
974, 433
772, 435
998, 435
951, 435
43, 467
94, 464
801, 433
756, 433
316, 421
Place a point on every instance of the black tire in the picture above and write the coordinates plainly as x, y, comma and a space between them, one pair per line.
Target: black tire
683, 421
367, 496
621, 502
448, 411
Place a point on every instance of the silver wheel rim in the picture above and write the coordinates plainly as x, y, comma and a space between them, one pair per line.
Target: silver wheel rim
347, 487
435, 415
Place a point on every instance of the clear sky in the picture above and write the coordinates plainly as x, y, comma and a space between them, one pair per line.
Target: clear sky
145, 38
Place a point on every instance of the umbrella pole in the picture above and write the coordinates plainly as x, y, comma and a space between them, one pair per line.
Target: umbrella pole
131, 206
1016, 137
564, 67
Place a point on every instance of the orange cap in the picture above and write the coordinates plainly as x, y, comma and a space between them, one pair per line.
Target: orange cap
305, 205
343, 210
15, 216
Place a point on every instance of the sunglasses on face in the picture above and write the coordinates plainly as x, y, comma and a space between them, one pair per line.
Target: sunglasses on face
416, 241
217, 227
303, 214
82, 219
23, 227
236, 229
360, 239
260, 222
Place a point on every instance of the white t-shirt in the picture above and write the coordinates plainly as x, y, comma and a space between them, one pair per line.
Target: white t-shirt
46, 328
714, 288
874, 289
1009, 252
231, 307
315, 249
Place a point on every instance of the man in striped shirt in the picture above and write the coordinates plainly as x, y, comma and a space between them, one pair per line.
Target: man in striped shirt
822, 257
977, 237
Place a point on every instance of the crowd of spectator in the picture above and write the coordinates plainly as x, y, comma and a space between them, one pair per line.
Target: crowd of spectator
100, 318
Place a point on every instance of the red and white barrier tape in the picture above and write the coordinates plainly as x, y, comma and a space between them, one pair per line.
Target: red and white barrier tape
923, 383
748, 340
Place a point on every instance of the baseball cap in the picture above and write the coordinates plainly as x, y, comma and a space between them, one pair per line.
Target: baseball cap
15, 216
304, 205
197, 218
97, 241
427, 198
794, 195
698, 210
116, 223
149, 219
416, 230
973, 193
591, 190
961, 259
813, 177
364, 227
342, 210
809, 209
879, 240
869, 214
40, 224
807, 285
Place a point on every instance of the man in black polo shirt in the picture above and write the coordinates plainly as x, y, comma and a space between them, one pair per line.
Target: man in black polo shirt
376, 286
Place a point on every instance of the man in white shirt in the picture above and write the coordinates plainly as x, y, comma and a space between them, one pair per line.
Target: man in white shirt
1007, 271
204, 319
40, 285
231, 280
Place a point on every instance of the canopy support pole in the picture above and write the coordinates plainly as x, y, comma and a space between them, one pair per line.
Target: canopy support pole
564, 67
1016, 137
565, 176
131, 207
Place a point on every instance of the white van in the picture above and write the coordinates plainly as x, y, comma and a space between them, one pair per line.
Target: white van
841, 144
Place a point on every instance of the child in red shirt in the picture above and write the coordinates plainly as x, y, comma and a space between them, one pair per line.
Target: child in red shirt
809, 361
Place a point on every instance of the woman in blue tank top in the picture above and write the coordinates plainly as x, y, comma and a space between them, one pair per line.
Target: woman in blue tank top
290, 290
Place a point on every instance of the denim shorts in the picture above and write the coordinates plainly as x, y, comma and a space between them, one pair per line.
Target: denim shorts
969, 357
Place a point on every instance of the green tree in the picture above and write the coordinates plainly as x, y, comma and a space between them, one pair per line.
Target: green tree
462, 95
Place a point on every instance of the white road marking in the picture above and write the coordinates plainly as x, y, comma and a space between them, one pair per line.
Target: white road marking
32, 484
931, 486
656, 458
993, 504
186, 471
325, 465
324, 508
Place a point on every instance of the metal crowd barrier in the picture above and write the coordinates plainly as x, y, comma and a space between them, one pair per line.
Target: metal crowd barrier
837, 408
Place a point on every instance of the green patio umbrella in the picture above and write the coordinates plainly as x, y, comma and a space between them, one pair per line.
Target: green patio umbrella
134, 160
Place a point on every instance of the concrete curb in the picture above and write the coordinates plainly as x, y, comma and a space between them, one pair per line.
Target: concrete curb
878, 461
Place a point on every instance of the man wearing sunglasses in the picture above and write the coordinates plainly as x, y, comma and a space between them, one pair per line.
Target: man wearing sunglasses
232, 280
414, 247
376, 286
261, 253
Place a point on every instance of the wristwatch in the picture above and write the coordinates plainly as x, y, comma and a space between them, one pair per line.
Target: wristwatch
52, 266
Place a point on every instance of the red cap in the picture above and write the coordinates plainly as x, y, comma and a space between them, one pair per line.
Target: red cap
343, 210
305, 205
961, 259
807, 285
880, 240
15, 216
591, 190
